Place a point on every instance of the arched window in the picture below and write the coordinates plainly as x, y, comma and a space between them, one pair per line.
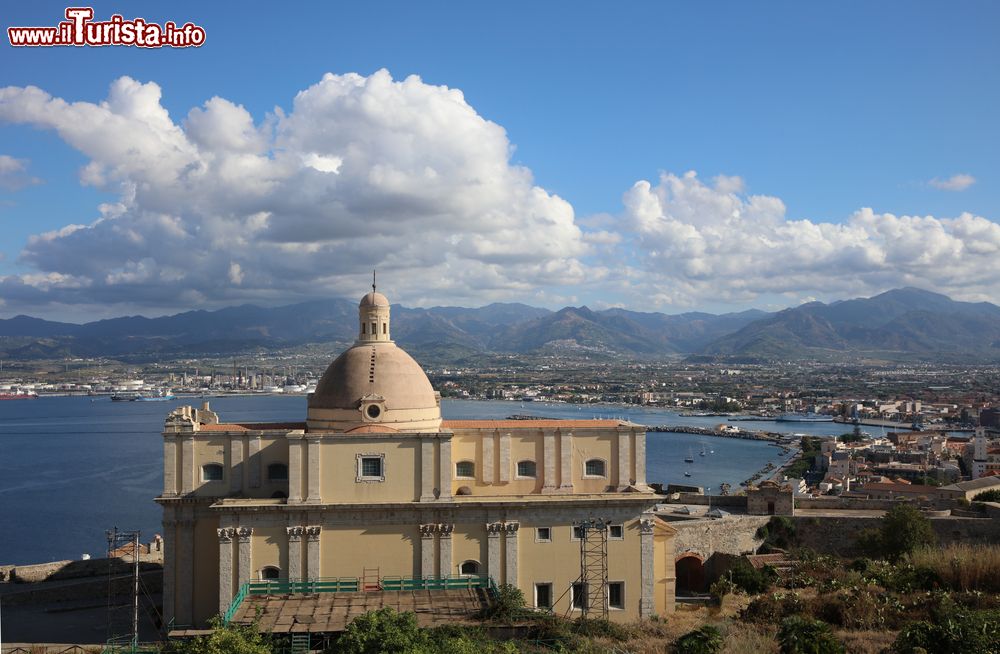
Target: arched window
211, 472
465, 469
270, 573
469, 568
526, 469
277, 472
594, 468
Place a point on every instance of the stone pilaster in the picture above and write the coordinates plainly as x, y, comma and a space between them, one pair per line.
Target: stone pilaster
493, 531
188, 464
640, 458
169, 567
549, 462
427, 550
444, 549
510, 551
253, 461
169, 465
184, 597
244, 563
444, 469
566, 461
226, 536
504, 457
236, 464
647, 605
295, 535
313, 494
426, 469
489, 444
312, 551
296, 445
624, 458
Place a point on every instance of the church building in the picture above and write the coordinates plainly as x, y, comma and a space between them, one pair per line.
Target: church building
375, 482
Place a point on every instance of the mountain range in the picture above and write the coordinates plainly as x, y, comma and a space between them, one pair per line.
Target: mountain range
902, 324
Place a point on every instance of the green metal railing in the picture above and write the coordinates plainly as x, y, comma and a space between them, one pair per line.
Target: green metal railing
353, 585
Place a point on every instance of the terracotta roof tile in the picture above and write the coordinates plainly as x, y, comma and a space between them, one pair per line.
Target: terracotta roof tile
529, 424
253, 426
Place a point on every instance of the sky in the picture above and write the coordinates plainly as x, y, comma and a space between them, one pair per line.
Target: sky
659, 156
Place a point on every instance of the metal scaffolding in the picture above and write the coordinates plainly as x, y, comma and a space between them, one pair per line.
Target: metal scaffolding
593, 535
123, 589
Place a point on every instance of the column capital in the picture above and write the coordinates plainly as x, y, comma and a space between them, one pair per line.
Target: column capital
244, 534
295, 534
511, 527
445, 530
226, 534
646, 526
493, 529
313, 531
428, 531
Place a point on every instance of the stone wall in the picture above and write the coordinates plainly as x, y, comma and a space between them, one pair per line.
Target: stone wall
729, 535
838, 535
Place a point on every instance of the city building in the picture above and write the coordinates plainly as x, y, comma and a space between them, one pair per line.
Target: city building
374, 484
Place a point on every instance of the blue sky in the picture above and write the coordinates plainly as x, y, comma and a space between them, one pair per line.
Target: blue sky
825, 109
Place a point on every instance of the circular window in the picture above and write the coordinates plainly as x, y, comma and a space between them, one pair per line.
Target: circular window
373, 411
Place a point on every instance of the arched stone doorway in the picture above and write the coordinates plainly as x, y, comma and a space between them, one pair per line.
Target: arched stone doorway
690, 572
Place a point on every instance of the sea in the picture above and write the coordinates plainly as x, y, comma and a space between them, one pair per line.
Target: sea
72, 468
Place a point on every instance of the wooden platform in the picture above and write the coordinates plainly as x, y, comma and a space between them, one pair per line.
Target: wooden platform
331, 612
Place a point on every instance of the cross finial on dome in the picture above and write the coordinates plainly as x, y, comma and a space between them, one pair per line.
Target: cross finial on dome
373, 280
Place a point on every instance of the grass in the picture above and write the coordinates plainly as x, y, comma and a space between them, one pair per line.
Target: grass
962, 567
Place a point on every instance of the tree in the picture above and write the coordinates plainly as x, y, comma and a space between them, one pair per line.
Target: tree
508, 604
383, 631
904, 528
224, 639
992, 495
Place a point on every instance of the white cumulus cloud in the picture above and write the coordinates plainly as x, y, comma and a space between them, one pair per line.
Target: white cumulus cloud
701, 242
360, 172
14, 174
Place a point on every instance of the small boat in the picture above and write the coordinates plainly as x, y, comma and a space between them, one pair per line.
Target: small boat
687, 474
702, 453
124, 397
689, 458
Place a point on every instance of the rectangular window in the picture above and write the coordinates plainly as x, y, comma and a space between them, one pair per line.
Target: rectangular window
543, 596
616, 532
577, 533
616, 594
579, 595
371, 467
543, 534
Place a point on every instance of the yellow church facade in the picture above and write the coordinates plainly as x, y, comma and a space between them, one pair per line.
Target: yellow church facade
375, 482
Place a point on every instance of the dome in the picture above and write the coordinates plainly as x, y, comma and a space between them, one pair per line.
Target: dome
374, 383
374, 299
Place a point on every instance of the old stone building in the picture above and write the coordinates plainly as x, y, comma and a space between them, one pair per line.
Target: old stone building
375, 480
770, 498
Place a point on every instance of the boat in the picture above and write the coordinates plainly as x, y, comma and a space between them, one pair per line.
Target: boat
687, 474
18, 396
157, 396
689, 458
702, 453
803, 417
124, 397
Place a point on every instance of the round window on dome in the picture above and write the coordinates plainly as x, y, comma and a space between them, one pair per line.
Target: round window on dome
373, 411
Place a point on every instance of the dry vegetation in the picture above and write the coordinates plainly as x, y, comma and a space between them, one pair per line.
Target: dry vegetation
962, 567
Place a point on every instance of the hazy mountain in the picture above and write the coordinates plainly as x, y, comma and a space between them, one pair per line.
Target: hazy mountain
906, 323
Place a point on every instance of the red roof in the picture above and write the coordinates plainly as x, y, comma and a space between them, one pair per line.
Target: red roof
528, 424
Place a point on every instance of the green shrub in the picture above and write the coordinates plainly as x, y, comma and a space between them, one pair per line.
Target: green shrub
704, 640
956, 632
749, 579
992, 495
383, 632
720, 588
770, 609
601, 628
508, 606
778, 532
799, 635
903, 529
224, 639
